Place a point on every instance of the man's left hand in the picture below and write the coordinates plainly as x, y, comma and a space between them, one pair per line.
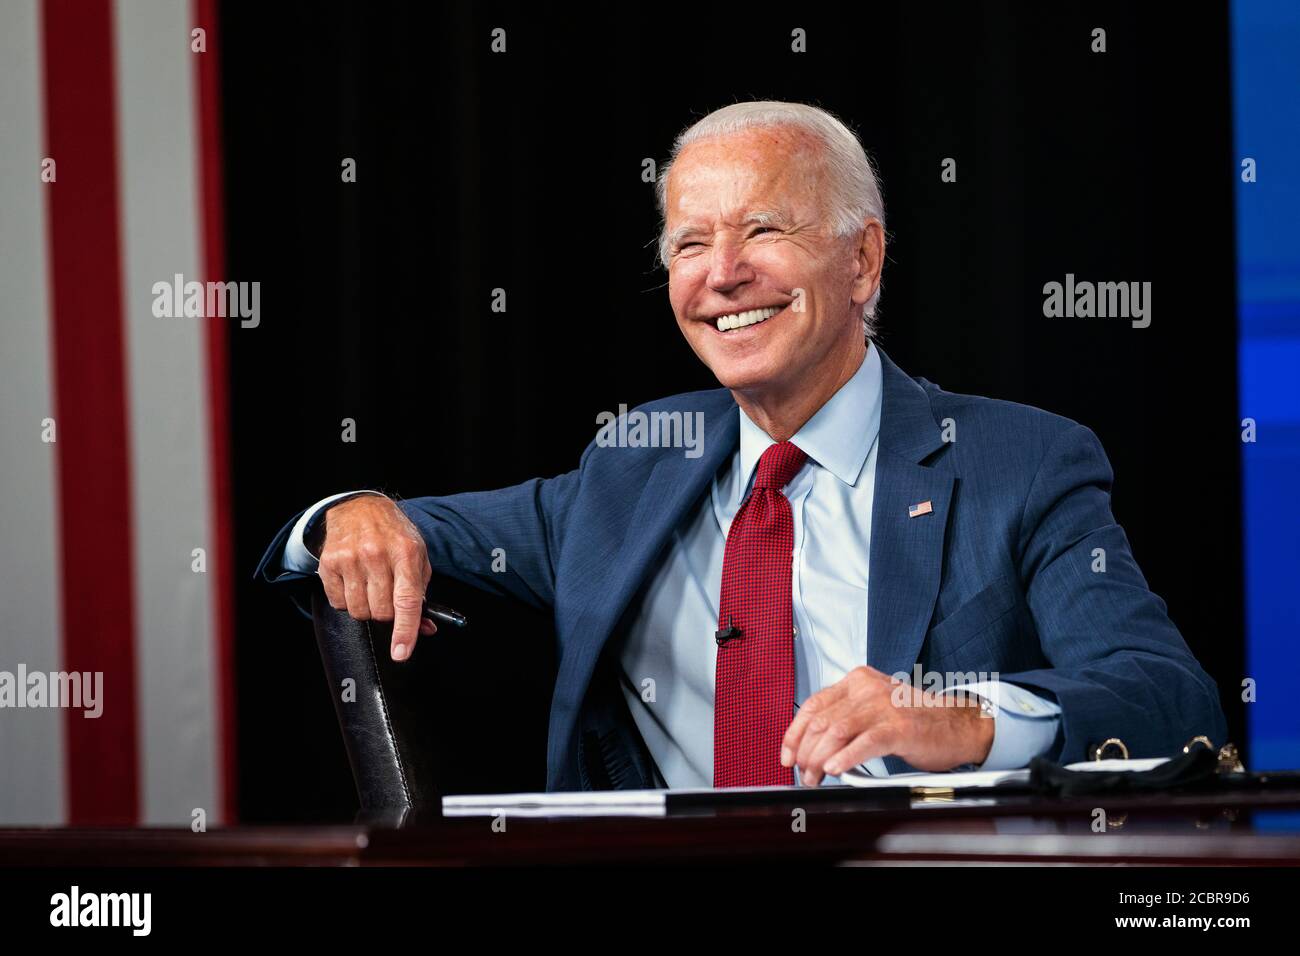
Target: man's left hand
867, 714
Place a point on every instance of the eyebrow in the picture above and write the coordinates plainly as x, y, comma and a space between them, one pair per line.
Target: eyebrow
760, 217
767, 217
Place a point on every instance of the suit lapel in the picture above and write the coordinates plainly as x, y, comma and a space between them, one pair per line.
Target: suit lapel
675, 483
906, 551
906, 558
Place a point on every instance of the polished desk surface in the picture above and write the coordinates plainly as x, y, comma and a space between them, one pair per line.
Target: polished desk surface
1241, 828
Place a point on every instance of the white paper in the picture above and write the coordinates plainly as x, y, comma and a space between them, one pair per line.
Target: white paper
653, 803
974, 778
986, 778
581, 803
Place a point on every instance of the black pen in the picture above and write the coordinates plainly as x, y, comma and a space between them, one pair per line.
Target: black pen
439, 612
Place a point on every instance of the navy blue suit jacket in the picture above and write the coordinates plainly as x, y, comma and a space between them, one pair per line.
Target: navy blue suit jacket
999, 577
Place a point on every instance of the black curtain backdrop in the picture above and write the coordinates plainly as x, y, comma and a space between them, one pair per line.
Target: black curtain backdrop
522, 171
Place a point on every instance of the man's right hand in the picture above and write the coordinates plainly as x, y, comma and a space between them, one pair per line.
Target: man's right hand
374, 565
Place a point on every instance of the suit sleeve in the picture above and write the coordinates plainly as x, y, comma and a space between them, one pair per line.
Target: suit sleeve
1119, 666
504, 541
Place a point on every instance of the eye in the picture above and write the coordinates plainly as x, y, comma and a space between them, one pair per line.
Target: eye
758, 230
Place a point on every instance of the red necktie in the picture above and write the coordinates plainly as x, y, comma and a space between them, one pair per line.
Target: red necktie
754, 692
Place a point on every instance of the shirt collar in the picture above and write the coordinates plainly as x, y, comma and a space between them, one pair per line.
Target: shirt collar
837, 437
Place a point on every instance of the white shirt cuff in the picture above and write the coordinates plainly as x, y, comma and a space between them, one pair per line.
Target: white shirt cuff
1024, 724
296, 555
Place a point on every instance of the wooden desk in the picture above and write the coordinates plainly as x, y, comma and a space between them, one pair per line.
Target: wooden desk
1236, 829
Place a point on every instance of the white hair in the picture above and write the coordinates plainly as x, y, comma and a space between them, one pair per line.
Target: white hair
852, 188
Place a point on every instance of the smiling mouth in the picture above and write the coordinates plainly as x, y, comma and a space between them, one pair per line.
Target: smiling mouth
740, 320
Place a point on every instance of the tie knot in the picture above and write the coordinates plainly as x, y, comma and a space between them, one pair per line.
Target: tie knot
777, 465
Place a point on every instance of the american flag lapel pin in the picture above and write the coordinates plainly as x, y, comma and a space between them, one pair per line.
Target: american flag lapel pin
924, 508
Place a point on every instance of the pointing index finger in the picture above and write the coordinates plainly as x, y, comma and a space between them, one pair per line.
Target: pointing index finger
408, 599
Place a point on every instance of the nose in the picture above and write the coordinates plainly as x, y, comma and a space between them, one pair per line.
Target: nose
728, 267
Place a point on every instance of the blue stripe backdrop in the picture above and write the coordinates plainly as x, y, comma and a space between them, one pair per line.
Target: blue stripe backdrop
1266, 107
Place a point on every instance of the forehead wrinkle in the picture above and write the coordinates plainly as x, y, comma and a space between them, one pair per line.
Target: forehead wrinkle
759, 176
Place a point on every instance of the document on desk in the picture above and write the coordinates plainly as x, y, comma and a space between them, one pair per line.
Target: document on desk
985, 778
594, 803
657, 803
974, 778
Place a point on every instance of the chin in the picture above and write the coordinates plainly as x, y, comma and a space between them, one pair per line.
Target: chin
744, 375
749, 368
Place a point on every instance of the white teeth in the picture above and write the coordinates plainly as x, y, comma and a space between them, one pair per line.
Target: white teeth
740, 319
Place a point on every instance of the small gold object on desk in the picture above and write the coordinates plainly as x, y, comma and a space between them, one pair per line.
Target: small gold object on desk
1229, 757
933, 794
1100, 749
1230, 760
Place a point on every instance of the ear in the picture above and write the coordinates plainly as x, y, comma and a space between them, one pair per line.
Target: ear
869, 259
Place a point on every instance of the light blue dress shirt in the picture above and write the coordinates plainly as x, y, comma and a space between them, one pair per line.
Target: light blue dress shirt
670, 641
669, 658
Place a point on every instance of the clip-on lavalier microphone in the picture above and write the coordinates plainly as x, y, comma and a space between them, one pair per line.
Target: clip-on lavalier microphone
730, 632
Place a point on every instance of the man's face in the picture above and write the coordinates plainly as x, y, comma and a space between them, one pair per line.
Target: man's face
747, 228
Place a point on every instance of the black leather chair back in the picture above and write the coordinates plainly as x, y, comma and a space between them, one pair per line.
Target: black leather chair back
383, 713
466, 714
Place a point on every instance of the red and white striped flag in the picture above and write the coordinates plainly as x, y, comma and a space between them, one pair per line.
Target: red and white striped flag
114, 536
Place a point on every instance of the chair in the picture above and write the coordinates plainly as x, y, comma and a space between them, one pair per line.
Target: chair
380, 713
405, 726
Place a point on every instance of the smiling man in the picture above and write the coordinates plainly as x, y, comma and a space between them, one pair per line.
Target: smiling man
738, 618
